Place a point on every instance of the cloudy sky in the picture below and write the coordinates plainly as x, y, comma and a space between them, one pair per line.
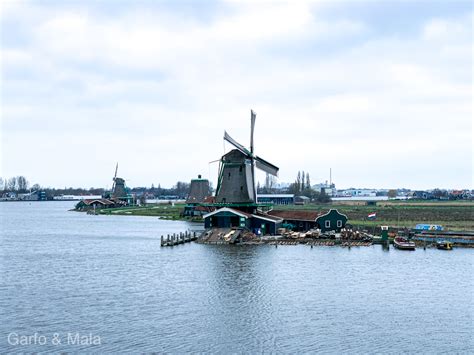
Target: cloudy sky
379, 91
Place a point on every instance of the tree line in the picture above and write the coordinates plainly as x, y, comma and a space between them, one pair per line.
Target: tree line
14, 184
19, 184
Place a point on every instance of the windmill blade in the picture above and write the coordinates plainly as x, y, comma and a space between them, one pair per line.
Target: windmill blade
214, 161
266, 166
253, 117
115, 177
235, 144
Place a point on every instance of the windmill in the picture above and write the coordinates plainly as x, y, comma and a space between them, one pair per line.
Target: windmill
236, 181
118, 187
199, 190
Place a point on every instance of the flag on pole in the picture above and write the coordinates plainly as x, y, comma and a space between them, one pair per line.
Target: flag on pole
372, 215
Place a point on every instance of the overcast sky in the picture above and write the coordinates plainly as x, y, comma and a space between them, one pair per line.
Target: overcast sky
381, 92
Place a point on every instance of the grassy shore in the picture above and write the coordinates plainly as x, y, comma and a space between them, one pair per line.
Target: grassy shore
162, 211
454, 215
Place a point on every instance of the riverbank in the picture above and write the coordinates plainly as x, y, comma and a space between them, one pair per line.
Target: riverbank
452, 215
170, 212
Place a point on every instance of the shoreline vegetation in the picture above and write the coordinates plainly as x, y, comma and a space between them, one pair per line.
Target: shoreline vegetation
452, 215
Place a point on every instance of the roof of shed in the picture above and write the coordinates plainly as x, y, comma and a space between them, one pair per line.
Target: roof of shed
230, 210
99, 200
267, 217
297, 215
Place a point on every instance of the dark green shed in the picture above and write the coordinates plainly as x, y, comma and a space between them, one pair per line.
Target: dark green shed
331, 221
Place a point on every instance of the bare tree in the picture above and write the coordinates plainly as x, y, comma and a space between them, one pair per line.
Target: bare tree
298, 182
12, 184
269, 182
22, 183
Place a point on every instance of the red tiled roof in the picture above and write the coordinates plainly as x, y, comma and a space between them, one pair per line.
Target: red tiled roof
297, 215
265, 215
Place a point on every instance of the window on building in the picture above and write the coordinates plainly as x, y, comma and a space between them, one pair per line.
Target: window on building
339, 224
327, 224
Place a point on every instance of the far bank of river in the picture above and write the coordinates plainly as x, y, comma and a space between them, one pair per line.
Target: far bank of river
452, 215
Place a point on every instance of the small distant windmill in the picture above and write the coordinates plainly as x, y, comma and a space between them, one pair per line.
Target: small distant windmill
118, 187
199, 190
236, 181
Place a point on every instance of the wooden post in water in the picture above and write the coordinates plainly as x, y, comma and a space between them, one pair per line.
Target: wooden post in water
161, 240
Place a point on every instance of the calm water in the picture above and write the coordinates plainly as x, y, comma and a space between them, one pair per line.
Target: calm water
65, 272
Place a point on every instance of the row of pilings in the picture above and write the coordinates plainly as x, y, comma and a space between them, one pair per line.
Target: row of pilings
177, 238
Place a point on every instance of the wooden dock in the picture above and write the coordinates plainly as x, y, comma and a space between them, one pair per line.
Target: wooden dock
176, 239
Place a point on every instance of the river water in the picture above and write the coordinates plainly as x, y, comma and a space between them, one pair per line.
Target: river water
84, 280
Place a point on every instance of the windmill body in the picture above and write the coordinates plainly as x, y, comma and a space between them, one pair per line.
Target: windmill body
198, 191
236, 181
119, 190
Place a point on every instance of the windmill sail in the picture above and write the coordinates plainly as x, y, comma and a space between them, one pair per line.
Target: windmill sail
115, 177
266, 166
235, 143
253, 117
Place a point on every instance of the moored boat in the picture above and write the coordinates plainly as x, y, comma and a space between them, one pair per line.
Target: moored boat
444, 245
403, 243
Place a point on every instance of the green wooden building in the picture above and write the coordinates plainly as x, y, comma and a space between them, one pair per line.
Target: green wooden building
304, 220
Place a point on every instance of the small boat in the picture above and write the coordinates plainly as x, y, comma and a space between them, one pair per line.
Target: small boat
403, 243
444, 245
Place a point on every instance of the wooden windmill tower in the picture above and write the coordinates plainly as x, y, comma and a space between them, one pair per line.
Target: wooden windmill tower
118, 187
199, 190
236, 181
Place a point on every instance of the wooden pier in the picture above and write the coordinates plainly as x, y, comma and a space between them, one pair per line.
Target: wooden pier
176, 239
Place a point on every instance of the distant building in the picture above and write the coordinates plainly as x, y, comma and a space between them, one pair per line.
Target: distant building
358, 193
302, 200
76, 197
423, 195
98, 203
276, 199
328, 188
31, 196
460, 195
